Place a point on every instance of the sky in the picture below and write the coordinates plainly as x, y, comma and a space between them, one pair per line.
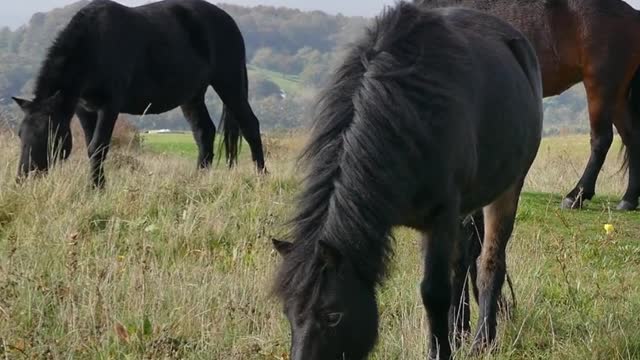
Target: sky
15, 13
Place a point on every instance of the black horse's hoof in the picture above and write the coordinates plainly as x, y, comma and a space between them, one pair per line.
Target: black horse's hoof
627, 206
570, 204
479, 347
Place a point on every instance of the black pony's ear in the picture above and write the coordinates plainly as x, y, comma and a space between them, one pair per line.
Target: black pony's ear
54, 100
23, 103
282, 247
329, 254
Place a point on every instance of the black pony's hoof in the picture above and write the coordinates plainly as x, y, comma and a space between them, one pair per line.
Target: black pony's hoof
570, 204
479, 347
627, 206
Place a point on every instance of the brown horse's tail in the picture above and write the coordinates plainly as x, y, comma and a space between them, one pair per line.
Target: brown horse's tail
633, 99
231, 128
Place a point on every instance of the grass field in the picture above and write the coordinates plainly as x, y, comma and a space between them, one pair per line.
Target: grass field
170, 262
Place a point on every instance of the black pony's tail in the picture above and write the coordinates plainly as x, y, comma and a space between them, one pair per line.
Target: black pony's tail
231, 128
633, 100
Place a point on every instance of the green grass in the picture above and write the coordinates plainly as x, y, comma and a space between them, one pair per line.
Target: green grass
291, 84
182, 145
177, 144
171, 262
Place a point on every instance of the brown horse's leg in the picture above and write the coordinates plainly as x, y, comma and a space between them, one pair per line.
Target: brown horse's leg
601, 111
628, 125
630, 198
499, 217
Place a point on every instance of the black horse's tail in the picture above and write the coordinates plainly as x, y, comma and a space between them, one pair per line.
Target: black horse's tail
230, 126
633, 100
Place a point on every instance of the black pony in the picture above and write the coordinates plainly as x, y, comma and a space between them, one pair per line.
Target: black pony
114, 59
432, 114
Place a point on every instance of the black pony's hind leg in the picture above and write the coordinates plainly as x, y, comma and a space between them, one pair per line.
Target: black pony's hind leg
499, 217
204, 131
232, 89
88, 121
464, 267
459, 313
99, 146
439, 242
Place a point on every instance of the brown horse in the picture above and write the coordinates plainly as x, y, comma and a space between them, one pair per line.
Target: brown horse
596, 42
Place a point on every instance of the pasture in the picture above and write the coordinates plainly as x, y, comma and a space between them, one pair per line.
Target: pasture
174, 262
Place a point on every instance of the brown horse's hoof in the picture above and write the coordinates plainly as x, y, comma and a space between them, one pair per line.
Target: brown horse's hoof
627, 206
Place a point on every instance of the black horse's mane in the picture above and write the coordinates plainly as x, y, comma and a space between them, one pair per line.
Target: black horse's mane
65, 61
488, 4
362, 162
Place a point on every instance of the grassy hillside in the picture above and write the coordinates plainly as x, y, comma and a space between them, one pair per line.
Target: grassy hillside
171, 262
291, 84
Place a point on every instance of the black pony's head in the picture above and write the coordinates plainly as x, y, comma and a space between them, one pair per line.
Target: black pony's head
332, 313
45, 134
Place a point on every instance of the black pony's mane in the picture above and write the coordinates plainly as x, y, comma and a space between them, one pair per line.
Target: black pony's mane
65, 62
488, 4
371, 127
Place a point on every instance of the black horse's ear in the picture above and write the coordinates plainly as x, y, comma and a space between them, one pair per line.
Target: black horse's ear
23, 103
54, 100
329, 254
283, 247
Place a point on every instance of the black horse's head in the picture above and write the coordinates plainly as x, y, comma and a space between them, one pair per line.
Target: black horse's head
45, 134
332, 313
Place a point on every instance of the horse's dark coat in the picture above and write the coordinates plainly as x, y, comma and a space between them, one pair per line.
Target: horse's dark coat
114, 59
432, 114
594, 41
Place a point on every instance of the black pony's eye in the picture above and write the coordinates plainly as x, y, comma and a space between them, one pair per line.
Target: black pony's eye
333, 319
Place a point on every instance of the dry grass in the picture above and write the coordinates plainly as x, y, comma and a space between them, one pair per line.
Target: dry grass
171, 262
125, 135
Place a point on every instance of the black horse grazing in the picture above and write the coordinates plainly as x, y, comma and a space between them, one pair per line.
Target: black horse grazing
433, 114
114, 59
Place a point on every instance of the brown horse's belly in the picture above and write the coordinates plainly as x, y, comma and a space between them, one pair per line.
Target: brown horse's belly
557, 76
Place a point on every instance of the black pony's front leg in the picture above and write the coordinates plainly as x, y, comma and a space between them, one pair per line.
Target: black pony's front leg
99, 146
88, 121
436, 289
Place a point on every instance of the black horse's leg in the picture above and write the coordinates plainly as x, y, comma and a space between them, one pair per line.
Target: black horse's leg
204, 131
499, 217
464, 266
459, 319
232, 89
436, 287
476, 231
601, 112
88, 121
99, 145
